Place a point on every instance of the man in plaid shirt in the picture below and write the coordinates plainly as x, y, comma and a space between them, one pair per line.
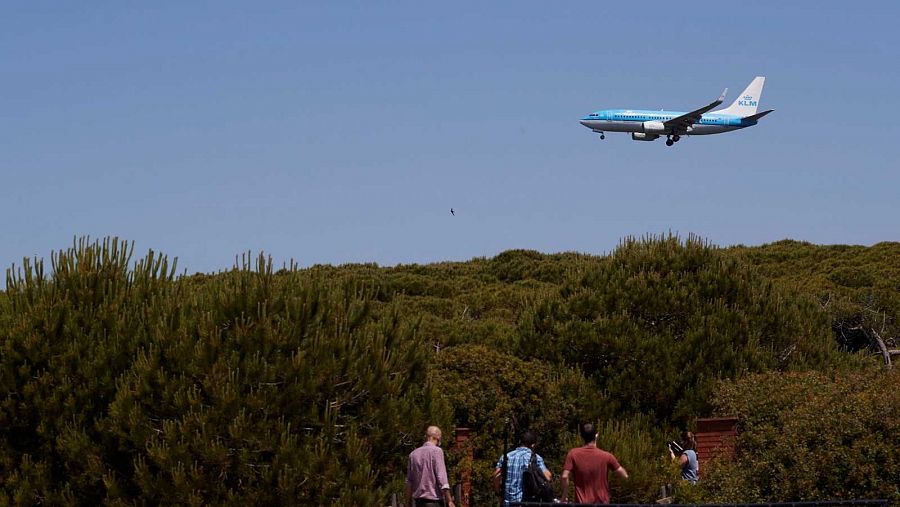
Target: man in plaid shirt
516, 462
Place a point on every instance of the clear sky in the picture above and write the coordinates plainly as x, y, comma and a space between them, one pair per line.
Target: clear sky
335, 132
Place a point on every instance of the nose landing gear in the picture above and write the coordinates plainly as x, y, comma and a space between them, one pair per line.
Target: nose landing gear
602, 137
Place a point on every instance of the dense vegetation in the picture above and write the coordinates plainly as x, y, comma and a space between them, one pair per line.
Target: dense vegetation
121, 383
808, 436
857, 287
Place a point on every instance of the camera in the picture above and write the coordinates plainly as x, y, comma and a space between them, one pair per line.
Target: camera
675, 447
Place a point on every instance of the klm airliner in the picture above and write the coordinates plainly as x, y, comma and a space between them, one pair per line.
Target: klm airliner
647, 125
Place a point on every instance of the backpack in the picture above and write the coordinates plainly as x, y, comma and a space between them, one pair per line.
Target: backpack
535, 486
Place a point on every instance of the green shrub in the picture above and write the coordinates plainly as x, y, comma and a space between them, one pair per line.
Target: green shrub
123, 385
810, 436
857, 287
658, 322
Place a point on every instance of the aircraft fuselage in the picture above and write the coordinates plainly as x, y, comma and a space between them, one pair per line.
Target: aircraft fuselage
649, 122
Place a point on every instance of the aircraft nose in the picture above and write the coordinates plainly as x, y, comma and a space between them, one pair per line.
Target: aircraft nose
585, 123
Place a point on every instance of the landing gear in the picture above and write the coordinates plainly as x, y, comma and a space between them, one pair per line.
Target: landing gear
670, 140
602, 137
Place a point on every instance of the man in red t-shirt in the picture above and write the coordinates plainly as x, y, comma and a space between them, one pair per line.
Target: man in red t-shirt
589, 467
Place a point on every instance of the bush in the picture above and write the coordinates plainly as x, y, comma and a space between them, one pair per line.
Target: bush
858, 287
123, 385
810, 436
661, 320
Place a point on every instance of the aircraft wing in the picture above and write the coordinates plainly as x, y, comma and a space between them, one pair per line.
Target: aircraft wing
679, 124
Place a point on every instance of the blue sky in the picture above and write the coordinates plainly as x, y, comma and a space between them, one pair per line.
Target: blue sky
335, 132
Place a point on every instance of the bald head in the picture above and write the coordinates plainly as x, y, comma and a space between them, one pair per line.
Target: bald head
433, 434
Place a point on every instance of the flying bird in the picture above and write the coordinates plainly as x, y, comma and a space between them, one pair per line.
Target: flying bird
452, 212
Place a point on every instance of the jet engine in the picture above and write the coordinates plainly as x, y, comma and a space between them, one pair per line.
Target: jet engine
654, 126
640, 136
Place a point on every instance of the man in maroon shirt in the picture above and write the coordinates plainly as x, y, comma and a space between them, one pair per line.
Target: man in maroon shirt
426, 477
589, 467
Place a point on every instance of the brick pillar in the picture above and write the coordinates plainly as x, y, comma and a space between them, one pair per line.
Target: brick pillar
465, 471
715, 438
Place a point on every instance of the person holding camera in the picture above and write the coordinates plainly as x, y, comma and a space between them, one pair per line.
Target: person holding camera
687, 455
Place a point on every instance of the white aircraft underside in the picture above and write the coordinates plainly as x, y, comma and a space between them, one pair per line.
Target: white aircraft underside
633, 126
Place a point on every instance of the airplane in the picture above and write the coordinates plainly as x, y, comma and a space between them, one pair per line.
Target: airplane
646, 125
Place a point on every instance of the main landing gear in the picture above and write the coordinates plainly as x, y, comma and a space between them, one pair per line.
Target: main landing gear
670, 140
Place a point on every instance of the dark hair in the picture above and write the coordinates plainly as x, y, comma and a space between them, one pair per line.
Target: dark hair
688, 440
528, 439
588, 432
